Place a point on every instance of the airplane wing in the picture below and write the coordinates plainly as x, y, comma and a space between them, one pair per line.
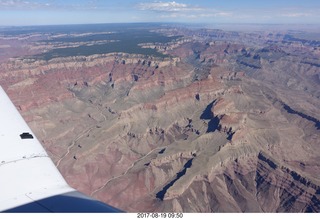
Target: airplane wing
29, 180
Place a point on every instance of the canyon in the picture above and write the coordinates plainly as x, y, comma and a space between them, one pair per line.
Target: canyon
222, 121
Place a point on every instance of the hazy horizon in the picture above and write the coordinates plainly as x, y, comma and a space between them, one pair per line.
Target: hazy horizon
58, 12
241, 27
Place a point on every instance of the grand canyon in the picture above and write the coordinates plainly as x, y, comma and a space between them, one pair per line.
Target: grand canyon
172, 118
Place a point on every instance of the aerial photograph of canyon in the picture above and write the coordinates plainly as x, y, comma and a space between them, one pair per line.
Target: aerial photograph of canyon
172, 106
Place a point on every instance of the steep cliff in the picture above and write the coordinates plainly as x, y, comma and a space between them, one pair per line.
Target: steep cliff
221, 126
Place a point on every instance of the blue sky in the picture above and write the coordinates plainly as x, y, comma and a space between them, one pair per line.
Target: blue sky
42, 12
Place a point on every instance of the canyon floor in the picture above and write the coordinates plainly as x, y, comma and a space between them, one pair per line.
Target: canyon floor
194, 120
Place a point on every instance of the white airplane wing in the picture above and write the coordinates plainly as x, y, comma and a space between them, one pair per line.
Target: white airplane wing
29, 180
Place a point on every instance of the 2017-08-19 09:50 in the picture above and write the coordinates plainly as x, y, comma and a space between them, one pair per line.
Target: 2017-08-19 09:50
159, 215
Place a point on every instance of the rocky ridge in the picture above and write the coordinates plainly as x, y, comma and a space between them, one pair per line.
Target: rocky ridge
214, 130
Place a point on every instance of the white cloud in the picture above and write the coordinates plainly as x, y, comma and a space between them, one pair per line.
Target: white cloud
168, 7
175, 10
49, 4
296, 15
218, 14
20, 4
196, 16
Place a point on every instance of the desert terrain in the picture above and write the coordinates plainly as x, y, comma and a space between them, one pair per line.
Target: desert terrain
173, 119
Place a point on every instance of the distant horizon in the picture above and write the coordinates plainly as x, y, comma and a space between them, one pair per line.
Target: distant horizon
156, 22
223, 26
59, 12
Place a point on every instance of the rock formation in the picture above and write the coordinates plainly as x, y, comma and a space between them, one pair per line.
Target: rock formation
218, 126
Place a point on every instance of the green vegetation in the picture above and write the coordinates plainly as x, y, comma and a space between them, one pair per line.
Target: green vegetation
127, 39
